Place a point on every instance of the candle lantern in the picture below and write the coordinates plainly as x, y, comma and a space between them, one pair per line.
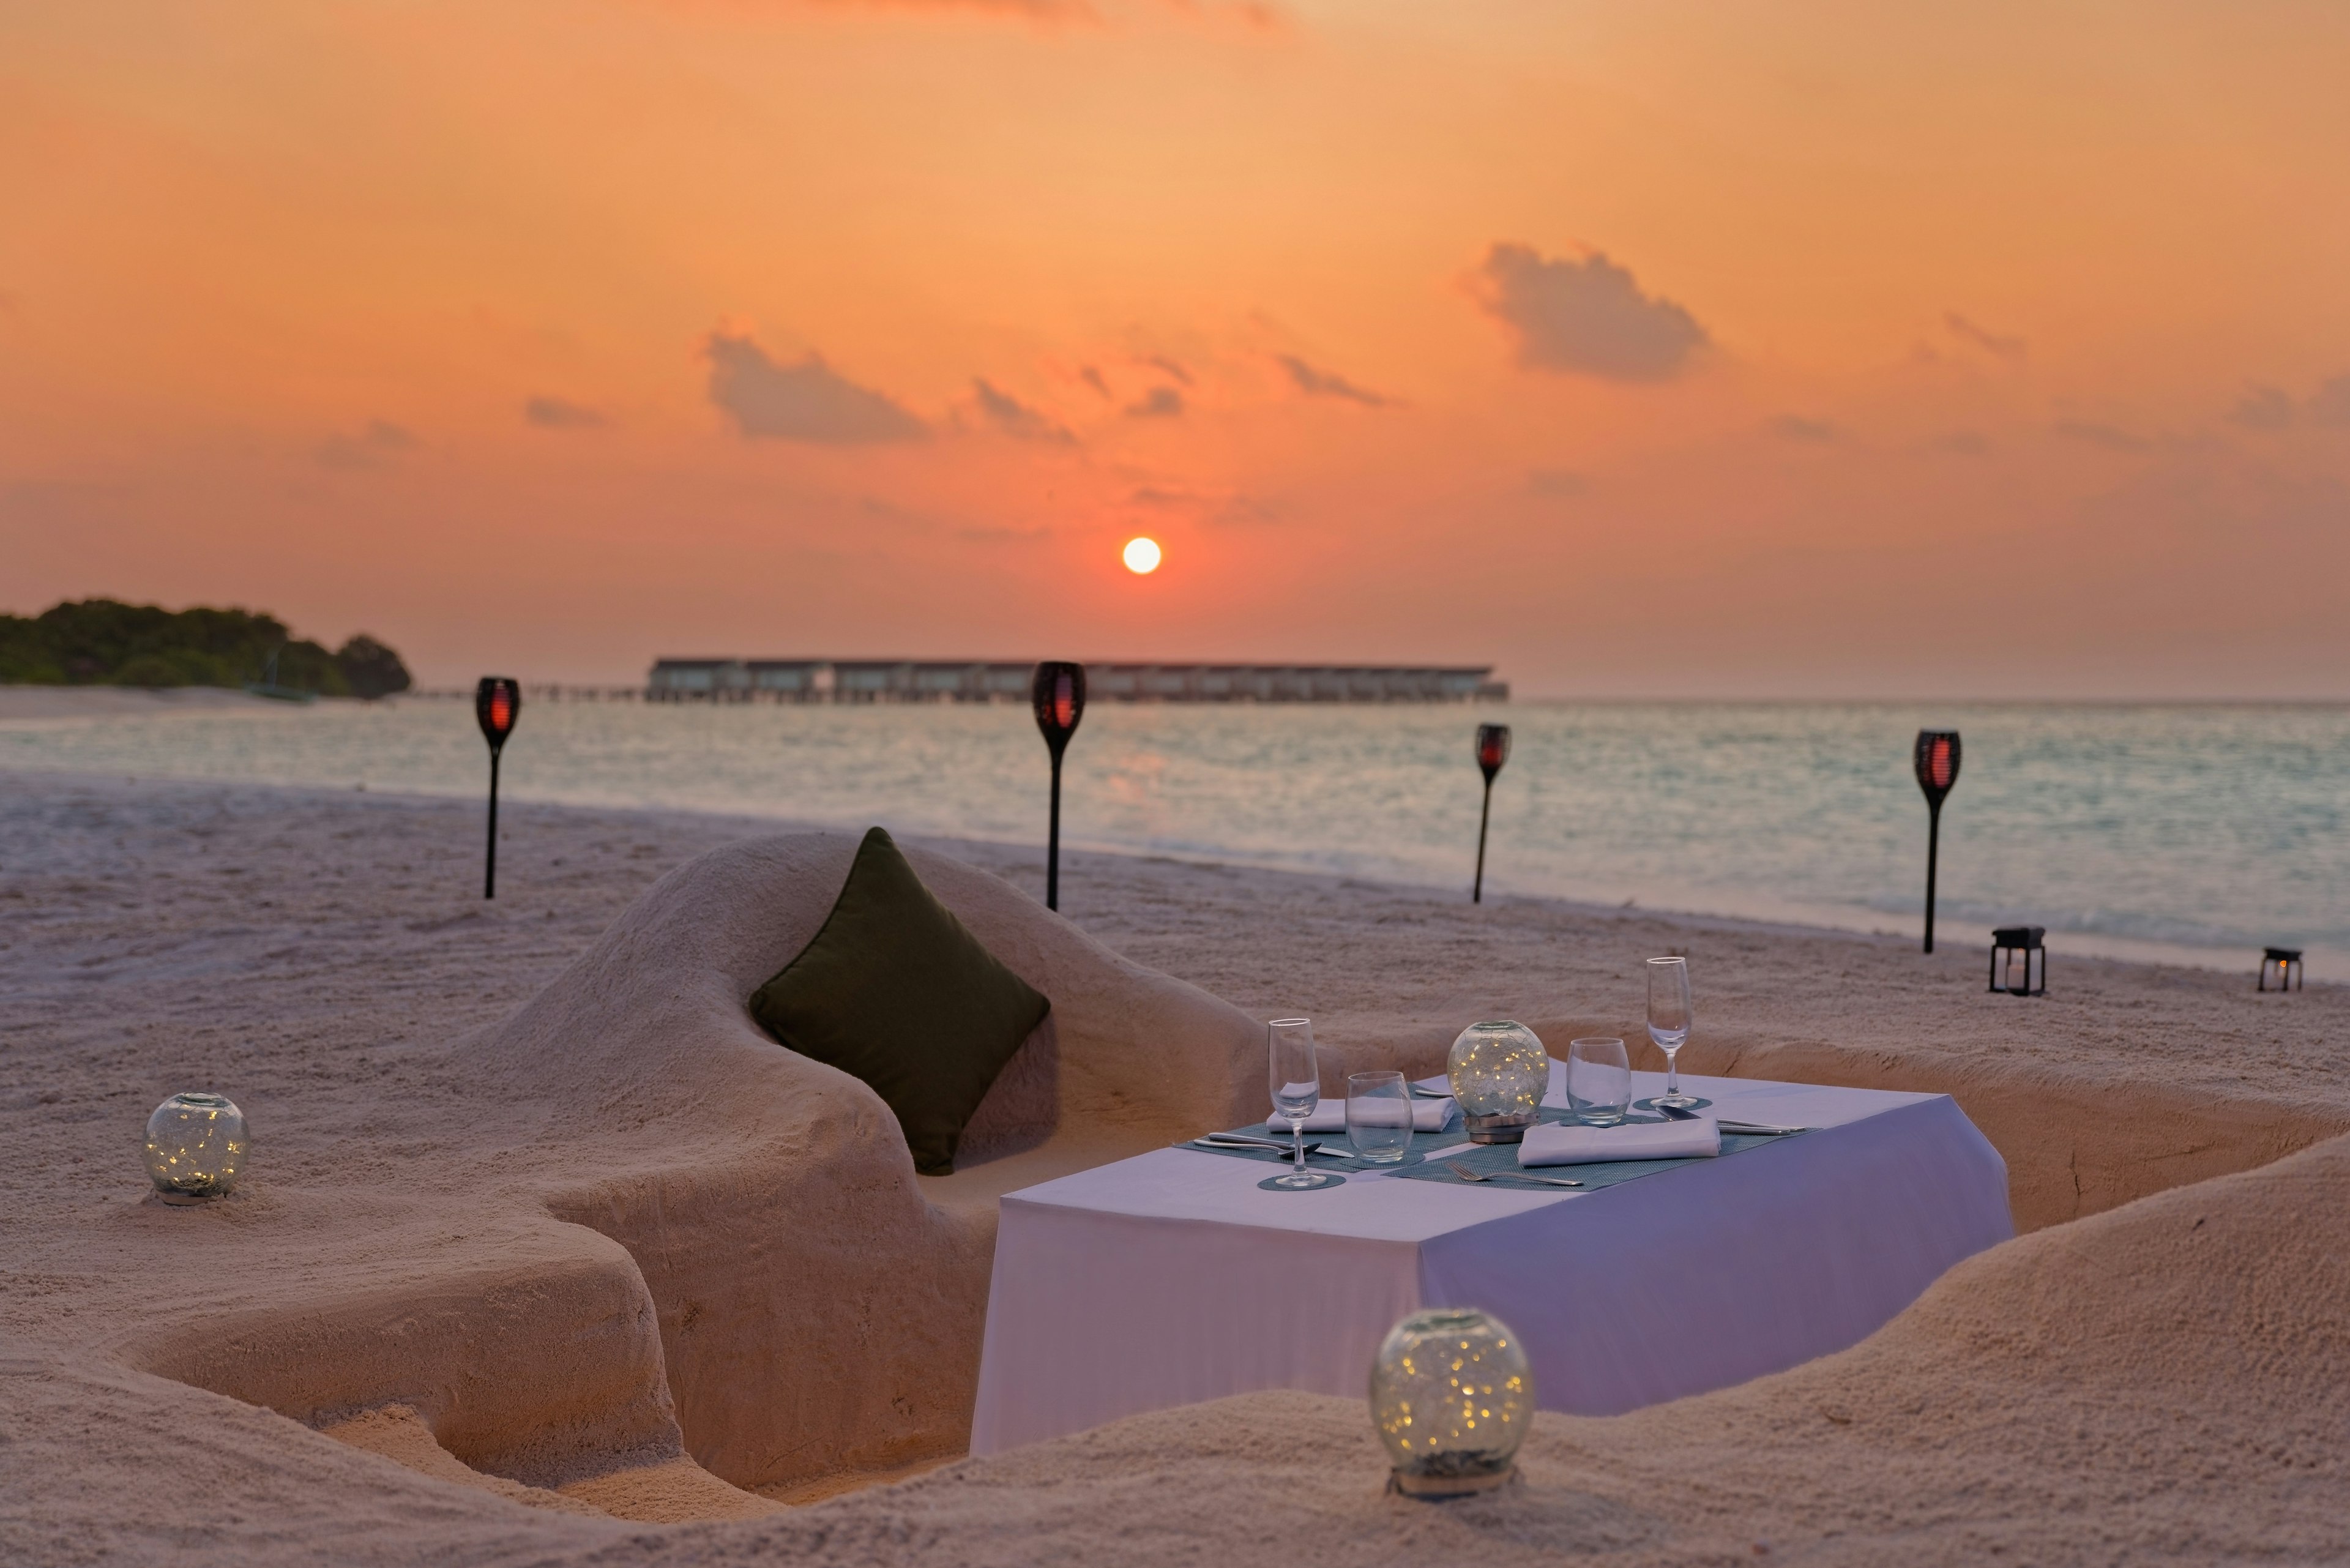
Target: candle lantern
1937, 769
497, 702
1452, 1397
2019, 963
1499, 1073
195, 1147
1493, 751
1058, 693
2281, 965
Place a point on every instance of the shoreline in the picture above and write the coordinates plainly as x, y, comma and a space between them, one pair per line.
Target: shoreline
1758, 911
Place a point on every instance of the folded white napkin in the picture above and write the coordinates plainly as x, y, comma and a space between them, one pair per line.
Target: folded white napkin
1572, 1143
1330, 1116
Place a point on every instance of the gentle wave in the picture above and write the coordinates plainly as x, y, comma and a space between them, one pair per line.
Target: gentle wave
2197, 831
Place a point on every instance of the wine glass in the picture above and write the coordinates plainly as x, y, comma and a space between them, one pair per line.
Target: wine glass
1297, 1085
1669, 1021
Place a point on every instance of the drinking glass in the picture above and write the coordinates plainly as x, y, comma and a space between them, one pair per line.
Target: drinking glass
1598, 1082
1378, 1116
1297, 1089
1669, 1021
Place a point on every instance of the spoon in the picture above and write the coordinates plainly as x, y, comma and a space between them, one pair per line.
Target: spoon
1466, 1174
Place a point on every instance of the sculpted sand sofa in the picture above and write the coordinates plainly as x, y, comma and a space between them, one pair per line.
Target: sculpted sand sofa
656, 1231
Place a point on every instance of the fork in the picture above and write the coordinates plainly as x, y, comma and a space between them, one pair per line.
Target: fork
1465, 1174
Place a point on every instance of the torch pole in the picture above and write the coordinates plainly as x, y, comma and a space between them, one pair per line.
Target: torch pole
490, 870
1933, 853
1053, 842
1484, 814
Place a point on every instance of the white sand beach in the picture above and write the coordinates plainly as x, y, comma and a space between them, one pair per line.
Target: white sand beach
507, 1285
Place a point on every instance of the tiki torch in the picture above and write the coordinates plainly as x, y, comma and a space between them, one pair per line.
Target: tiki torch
1938, 770
1059, 695
497, 703
1493, 751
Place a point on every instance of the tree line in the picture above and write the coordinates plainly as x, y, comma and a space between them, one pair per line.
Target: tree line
104, 642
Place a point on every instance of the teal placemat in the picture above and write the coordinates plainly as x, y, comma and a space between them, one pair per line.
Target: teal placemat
1492, 1158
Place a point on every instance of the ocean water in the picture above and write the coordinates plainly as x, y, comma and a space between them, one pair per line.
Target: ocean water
2200, 833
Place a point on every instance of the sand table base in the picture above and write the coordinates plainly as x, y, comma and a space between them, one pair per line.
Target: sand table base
527, 1345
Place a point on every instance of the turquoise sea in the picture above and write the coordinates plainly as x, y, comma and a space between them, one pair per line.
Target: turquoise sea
2185, 832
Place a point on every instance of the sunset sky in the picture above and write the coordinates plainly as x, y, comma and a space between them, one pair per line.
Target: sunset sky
1642, 347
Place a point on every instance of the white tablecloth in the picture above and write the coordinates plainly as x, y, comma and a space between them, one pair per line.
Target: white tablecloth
1171, 1278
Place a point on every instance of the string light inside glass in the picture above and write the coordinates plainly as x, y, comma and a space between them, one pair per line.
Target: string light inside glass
1452, 1398
195, 1147
1500, 1073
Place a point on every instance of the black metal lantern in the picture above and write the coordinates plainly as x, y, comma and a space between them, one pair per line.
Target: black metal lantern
2281, 965
497, 702
1493, 751
2019, 963
1059, 695
1938, 770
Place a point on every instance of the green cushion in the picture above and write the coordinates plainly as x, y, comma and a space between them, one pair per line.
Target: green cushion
894, 990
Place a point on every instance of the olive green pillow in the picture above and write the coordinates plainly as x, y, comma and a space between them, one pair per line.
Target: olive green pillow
894, 990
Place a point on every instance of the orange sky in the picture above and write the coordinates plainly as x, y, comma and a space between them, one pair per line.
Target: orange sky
1665, 346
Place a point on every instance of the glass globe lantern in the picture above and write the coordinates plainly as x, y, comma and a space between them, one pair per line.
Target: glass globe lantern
1500, 1073
195, 1147
1452, 1398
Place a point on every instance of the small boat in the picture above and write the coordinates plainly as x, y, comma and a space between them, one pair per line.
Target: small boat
267, 685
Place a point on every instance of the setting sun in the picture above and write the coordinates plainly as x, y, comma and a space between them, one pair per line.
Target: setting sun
1141, 556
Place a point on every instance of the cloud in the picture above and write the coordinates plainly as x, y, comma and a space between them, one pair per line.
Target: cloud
1014, 417
2008, 349
2331, 405
1588, 317
805, 401
2262, 409
1556, 483
1316, 383
1158, 403
2105, 436
1795, 427
1093, 378
1161, 363
372, 447
1964, 443
561, 414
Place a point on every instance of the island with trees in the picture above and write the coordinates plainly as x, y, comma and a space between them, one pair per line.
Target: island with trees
104, 642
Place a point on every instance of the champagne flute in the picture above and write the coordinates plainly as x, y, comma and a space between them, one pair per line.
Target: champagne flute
1297, 1085
1669, 1021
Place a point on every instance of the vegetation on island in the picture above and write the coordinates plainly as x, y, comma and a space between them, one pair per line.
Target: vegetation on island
104, 642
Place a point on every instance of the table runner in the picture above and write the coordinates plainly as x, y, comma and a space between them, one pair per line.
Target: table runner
1494, 1159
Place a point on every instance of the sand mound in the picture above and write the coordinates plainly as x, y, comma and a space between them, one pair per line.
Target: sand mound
591, 1239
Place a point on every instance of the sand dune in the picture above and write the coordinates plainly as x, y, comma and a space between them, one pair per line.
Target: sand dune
528, 1259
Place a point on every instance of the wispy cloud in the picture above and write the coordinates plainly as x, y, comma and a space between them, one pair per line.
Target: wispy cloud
1093, 378
1316, 383
804, 402
1964, 443
1588, 317
1558, 484
1162, 364
2331, 405
1158, 403
372, 447
1014, 417
2010, 350
562, 414
2262, 409
1795, 427
2105, 436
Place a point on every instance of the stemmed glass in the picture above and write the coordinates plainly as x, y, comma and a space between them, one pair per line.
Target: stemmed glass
1669, 1021
1297, 1089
